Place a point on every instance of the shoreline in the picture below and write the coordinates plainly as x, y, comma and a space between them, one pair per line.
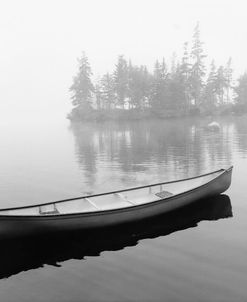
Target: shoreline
104, 115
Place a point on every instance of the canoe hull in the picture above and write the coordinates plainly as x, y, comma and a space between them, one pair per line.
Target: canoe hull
28, 225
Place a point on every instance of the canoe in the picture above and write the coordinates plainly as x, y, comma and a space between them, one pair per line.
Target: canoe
112, 208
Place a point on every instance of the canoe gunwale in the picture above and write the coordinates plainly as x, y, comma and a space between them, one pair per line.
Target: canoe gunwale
116, 210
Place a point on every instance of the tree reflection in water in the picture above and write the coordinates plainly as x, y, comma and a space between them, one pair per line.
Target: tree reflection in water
158, 150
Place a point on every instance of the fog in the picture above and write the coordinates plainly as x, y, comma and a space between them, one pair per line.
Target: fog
40, 41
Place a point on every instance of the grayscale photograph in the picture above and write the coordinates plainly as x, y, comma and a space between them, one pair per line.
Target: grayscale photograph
123, 149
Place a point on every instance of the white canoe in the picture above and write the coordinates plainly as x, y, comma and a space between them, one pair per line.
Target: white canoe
111, 208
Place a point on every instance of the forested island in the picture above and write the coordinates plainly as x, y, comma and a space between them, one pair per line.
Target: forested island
183, 87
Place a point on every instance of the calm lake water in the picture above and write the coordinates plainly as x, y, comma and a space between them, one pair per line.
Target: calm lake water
196, 254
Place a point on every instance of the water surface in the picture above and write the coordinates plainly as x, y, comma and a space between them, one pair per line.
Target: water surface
197, 254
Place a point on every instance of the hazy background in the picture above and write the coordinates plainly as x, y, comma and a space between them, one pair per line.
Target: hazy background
48, 160
40, 41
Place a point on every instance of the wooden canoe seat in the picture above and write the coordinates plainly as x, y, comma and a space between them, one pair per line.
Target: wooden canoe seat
48, 209
164, 194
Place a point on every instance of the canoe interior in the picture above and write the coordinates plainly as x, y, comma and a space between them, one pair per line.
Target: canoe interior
122, 199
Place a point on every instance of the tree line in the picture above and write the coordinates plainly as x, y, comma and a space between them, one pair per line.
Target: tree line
185, 86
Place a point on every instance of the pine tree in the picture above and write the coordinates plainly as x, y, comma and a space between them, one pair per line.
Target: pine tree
107, 91
209, 97
220, 85
241, 92
158, 89
82, 88
134, 84
174, 63
228, 78
121, 80
197, 68
98, 95
185, 69
131, 84
177, 90
139, 87
146, 83
185, 65
164, 70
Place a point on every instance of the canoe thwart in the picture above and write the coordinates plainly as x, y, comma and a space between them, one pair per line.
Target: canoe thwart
92, 203
124, 198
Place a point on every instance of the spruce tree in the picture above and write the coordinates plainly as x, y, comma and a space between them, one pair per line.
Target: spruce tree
98, 95
107, 91
121, 80
177, 90
134, 84
139, 86
220, 85
131, 84
198, 68
82, 88
241, 93
158, 89
173, 63
185, 69
228, 78
209, 96
146, 82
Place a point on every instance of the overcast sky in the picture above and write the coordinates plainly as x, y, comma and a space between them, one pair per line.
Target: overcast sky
40, 41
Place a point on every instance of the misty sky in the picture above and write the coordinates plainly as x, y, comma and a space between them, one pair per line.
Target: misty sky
40, 41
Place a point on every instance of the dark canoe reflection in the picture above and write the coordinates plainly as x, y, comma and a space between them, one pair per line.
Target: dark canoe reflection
23, 254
